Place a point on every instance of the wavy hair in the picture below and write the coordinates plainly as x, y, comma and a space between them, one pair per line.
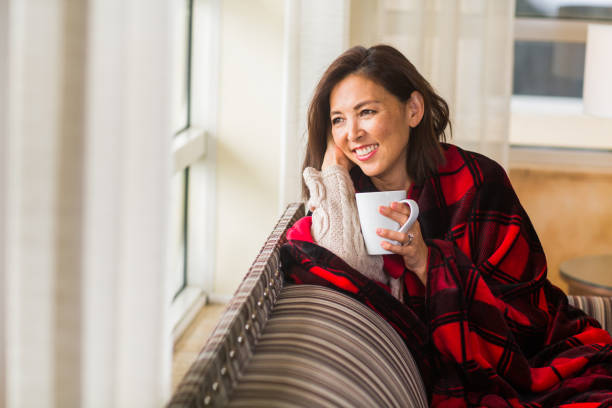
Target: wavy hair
390, 69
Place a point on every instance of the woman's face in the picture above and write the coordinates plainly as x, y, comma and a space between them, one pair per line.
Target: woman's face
371, 126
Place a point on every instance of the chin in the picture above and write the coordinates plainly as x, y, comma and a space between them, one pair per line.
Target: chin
368, 170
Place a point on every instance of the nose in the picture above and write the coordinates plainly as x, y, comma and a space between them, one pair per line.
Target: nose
354, 130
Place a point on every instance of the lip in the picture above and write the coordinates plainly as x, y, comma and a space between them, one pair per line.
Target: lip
365, 156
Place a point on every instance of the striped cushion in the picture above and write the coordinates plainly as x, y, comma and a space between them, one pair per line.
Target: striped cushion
598, 307
321, 348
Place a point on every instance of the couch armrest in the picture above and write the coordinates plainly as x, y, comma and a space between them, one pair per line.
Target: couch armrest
211, 379
322, 348
598, 307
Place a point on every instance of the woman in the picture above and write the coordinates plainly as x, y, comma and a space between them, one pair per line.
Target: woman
466, 287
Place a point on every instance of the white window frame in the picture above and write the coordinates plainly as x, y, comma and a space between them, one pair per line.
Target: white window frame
194, 147
551, 122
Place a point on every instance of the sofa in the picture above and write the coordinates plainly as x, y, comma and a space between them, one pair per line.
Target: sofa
282, 345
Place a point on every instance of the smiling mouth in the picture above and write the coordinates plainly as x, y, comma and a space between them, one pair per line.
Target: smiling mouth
365, 152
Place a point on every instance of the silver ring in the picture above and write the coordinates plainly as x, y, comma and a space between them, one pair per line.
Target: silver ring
410, 238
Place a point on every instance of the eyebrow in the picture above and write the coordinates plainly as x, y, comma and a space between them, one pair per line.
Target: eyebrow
356, 107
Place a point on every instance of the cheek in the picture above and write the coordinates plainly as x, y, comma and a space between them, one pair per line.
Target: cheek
396, 135
380, 128
339, 140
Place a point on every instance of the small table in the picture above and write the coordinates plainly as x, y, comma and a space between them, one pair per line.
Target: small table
588, 275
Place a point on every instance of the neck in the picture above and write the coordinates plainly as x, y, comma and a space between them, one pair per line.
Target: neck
400, 182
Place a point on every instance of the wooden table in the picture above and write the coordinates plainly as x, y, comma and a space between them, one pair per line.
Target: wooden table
588, 275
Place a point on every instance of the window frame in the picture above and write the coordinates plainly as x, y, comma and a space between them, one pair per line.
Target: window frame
553, 29
193, 148
540, 111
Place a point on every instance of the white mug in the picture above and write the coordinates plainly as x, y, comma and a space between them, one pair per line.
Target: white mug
370, 219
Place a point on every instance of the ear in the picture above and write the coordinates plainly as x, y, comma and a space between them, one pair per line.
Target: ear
415, 108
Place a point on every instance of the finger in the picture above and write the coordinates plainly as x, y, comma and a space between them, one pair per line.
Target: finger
332, 147
393, 235
396, 216
400, 207
403, 250
335, 156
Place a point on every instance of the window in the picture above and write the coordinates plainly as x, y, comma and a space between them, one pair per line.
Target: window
180, 123
550, 39
191, 253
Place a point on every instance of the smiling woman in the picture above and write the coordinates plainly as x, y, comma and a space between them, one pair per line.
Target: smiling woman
466, 285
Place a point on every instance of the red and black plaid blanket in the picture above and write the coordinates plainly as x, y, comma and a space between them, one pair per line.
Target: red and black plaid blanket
488, 329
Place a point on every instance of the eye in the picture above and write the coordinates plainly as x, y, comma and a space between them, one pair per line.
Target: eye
336, 120
367, 112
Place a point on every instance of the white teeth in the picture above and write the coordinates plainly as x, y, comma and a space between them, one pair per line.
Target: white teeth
365, 150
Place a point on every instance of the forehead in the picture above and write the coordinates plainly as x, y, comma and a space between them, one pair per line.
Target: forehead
355, 89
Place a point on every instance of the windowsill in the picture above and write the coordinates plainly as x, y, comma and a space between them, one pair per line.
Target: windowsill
184, 309
557, 123
546, 105
560, 159
188, 346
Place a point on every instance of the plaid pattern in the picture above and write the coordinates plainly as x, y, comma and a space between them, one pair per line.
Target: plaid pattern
489, 329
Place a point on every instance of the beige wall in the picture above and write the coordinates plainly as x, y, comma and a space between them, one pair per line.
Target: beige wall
571, 210
364, 23
248, 134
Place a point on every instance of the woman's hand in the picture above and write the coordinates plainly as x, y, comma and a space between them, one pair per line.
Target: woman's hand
334, 155
412, 248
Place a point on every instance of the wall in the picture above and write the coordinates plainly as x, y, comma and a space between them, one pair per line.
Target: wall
249, 128
364, 23
571, 209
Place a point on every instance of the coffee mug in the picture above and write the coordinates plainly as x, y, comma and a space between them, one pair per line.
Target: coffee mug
370, 219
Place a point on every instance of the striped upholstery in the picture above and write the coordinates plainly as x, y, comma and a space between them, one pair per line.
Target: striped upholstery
321, 348
307, 346
212, 377
600, 308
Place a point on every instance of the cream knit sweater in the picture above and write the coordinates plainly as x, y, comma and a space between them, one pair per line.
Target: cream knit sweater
335, 223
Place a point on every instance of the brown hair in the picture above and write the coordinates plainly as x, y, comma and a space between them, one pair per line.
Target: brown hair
390, 69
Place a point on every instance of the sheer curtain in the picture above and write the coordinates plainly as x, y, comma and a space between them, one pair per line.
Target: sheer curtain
316, 32
464, 48
84, 174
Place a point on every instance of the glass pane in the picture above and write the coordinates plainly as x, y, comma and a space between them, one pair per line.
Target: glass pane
178, 197
180, 58
565, 9
548, 69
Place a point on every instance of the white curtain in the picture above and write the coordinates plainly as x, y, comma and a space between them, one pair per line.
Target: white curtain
316, 32
84, 174
464, 48
3, 176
